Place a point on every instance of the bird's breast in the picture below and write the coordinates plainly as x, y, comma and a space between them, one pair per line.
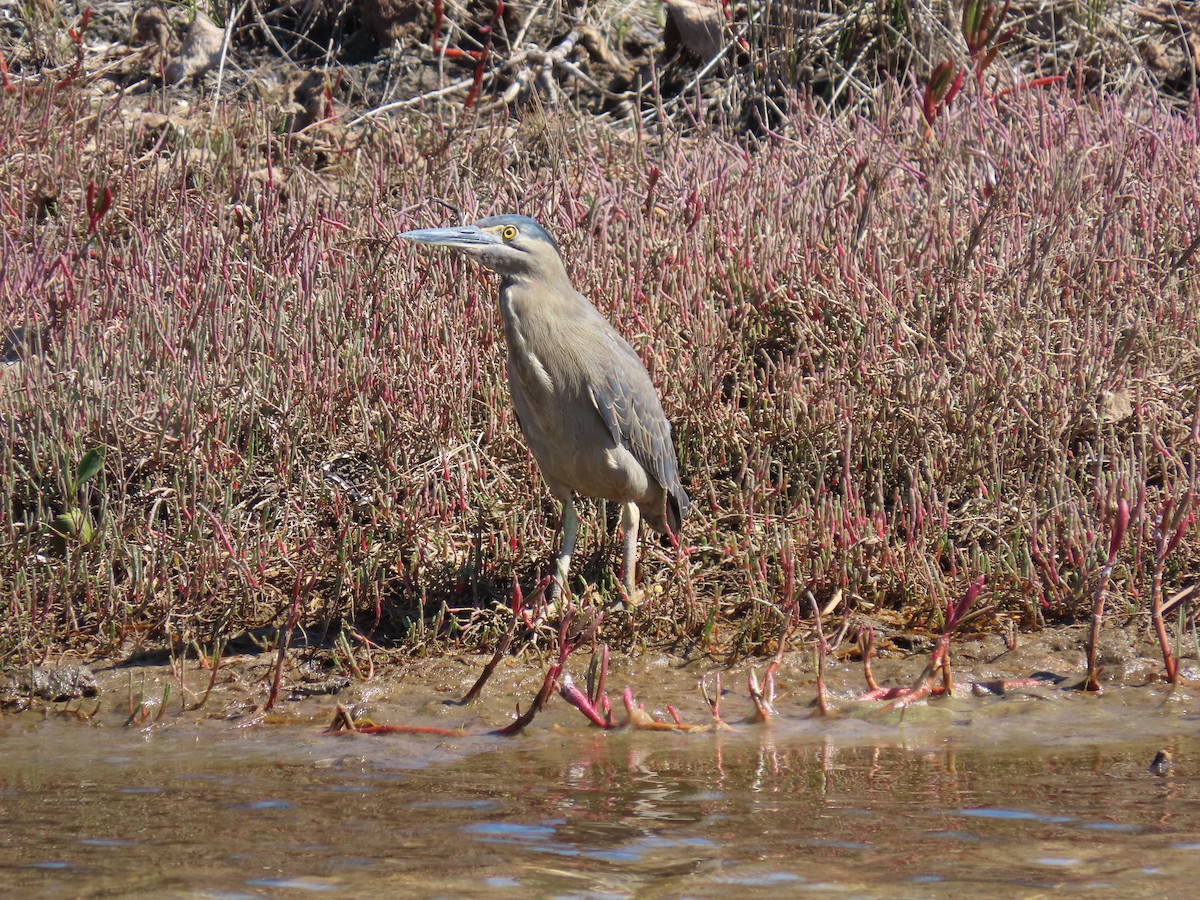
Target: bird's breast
527, 369
553, 357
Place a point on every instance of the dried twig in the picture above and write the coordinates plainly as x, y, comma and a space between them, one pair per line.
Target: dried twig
866, 644
939, 659
822, 652
345, 723
1093, 644
567, 642
300, 586
518, 606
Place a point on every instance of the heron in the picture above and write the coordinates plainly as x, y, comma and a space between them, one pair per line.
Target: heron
584, 400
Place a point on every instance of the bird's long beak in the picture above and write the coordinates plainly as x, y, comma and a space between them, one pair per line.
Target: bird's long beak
468, 237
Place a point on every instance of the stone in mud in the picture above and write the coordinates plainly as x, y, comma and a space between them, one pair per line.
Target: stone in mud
66, 681
151, 28
21, 342
201, 51
698, 26
326, 688
1161, 764
306, 103
387, 21
1114, 407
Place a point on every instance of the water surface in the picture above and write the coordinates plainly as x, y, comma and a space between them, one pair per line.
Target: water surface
1000, 798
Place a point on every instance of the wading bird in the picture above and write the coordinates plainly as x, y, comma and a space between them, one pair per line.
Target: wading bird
583, 398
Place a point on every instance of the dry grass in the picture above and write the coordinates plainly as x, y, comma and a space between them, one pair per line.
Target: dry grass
896, 358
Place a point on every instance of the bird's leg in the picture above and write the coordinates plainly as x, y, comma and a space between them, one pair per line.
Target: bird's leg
570, 531
630, 519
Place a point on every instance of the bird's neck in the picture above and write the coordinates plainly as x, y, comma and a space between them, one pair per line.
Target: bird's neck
537, 295
548, 283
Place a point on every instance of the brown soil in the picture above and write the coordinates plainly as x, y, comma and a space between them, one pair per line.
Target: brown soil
618, 59
402, 691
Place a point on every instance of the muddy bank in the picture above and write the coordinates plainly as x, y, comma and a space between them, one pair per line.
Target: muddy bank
150, 689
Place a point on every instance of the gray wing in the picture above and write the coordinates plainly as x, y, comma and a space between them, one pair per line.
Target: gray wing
625, 398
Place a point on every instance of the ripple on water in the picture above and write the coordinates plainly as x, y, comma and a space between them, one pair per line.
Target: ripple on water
1056, 861
1120, 827
577, 812
297, 884
838, 845
1017, 814
758, 879
512, 832
261, 805
953, 835
501, 883
455, 804
347, 788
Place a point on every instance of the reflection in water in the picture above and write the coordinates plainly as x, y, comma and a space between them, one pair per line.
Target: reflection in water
872, 810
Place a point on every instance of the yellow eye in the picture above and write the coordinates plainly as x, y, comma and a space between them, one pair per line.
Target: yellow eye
508, 232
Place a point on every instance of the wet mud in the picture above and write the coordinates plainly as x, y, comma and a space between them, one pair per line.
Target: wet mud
1043, 788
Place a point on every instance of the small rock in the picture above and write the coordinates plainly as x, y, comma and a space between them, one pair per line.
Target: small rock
387, 21
697, 25
326, 688
20, 342
56, 684
151, 28
307, 100
1161, 764
201, 51
1114, 407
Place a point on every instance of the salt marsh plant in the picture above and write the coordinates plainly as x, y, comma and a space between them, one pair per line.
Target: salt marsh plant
899, 356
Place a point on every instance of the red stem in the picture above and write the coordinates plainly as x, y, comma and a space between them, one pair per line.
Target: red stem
1029, 85
482, 55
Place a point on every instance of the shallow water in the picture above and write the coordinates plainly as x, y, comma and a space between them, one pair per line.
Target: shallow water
1009, 797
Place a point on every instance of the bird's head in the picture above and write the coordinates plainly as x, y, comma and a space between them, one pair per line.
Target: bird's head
510, 245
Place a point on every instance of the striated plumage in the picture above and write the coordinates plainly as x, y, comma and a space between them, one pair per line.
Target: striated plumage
584, 401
